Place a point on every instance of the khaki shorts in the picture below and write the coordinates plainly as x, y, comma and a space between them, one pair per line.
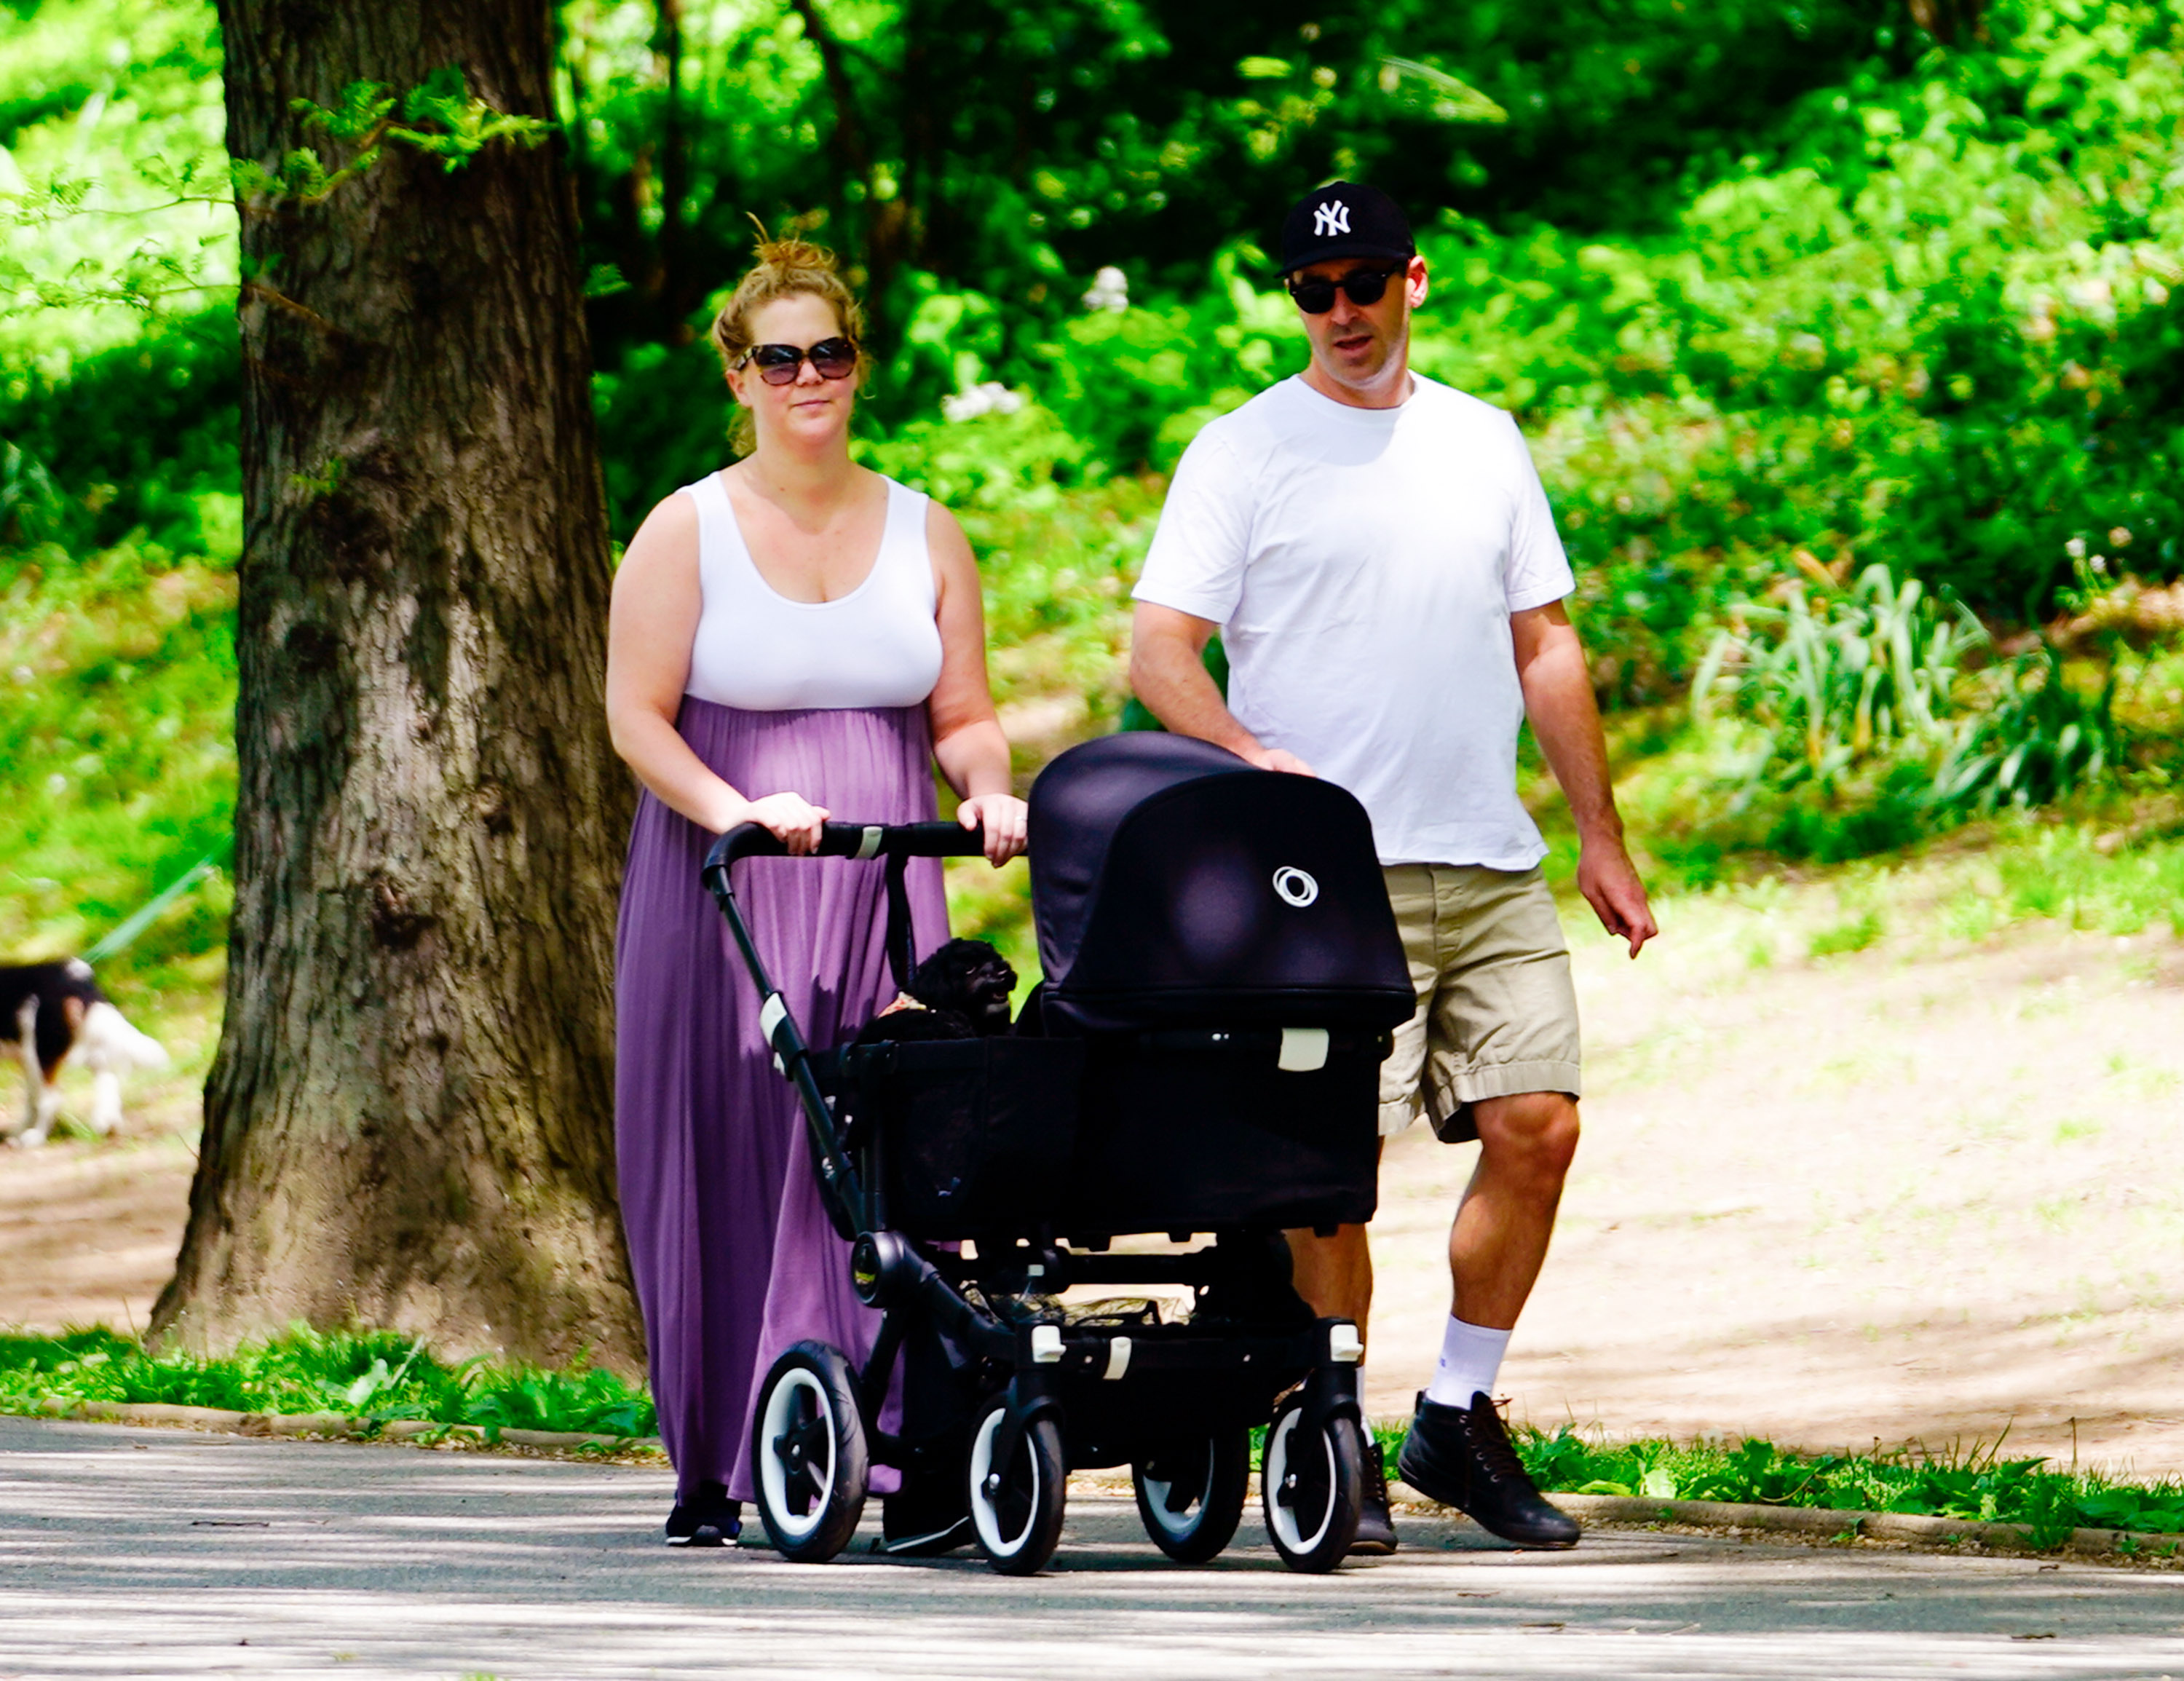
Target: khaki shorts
1496, 1014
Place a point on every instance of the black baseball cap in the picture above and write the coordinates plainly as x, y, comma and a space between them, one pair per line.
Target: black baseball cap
1345, 219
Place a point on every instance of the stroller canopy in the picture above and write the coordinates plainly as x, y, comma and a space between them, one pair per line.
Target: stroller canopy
1174, 884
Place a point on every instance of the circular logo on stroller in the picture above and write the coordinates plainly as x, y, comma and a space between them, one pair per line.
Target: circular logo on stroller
1296, 888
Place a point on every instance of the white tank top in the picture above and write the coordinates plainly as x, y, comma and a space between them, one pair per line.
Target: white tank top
757, 650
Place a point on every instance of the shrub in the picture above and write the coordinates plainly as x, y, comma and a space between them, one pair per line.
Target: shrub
1870, 676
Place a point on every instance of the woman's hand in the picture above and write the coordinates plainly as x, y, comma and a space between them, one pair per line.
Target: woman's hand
1003, 816
790, 818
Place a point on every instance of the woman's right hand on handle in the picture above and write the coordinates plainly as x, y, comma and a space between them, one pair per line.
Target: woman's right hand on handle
790, 818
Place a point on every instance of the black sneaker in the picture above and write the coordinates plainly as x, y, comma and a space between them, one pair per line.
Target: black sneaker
709, 1518
1376, 1525
1460, 1456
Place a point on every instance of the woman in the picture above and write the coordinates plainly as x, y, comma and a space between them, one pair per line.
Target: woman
791, 637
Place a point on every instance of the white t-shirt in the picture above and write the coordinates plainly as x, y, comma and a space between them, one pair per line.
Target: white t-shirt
1363, 564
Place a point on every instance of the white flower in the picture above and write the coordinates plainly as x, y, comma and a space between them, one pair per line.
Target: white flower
989, 397
2076, 548
1110, 290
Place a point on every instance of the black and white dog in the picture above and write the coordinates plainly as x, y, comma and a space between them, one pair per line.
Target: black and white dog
51, 1011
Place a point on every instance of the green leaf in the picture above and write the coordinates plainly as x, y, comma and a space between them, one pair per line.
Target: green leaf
1435, 93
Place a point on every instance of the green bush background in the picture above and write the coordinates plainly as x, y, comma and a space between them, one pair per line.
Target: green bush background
1780, 296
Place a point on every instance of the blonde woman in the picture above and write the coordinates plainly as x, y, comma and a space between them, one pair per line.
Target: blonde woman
793, 638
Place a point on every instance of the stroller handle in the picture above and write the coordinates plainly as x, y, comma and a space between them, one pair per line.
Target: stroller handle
851, 840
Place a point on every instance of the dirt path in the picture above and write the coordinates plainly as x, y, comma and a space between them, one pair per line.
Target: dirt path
1921, 1192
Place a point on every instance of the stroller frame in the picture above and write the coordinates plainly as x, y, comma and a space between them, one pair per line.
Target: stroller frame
1047, 1395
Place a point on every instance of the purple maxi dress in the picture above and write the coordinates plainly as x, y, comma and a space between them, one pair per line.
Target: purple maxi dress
733, 1256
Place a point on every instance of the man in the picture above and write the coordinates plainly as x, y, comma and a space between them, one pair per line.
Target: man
1377, 552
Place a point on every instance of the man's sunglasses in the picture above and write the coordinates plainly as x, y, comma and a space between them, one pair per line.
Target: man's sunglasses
1365, 287
835, 358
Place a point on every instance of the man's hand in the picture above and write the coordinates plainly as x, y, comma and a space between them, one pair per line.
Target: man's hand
1609, 882
1277, 759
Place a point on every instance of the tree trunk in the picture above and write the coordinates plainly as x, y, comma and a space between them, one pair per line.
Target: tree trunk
410, 1120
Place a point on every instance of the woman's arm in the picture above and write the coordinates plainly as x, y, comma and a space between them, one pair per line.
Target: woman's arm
966, 735
650, 625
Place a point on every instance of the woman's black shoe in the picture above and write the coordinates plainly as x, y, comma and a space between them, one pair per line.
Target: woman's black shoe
1460, 1456
709, 1518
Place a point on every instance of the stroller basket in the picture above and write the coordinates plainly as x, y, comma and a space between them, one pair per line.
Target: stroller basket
973, 1137
1182, 1136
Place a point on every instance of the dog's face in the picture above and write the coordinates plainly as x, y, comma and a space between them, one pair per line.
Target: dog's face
971, 978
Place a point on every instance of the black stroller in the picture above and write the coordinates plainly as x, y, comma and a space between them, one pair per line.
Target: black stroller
1222, 976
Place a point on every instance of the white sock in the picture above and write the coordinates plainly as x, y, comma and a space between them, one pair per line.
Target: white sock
1470, 1362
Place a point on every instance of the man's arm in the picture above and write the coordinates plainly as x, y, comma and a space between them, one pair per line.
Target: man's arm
1558, 700
1167, 670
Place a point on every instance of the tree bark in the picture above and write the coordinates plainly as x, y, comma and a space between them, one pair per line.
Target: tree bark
409, 1120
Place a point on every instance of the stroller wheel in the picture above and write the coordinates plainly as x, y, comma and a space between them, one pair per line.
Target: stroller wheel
1312, 1490
808, 1457
1016, 1508
1190, 1495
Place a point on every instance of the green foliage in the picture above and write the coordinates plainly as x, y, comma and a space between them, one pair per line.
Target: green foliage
1868, 703
1872, 673
1080, 134
2079, 877
2033, 741
376, 1375
114, 196
1855, 935
117, 686
440, 117
1976, 1484
1760, 284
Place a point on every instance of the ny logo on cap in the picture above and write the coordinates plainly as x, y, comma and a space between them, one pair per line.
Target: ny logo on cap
1330, 218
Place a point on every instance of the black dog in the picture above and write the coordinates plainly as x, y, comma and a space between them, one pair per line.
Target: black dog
961, 992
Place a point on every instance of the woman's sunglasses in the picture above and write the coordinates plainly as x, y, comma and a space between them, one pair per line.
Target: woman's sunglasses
1364, 285
835, 358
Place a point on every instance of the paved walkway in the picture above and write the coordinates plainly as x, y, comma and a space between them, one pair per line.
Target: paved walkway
145, 1553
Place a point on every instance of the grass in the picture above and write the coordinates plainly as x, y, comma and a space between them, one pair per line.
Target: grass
1976, 1483
117, 710
379, 1375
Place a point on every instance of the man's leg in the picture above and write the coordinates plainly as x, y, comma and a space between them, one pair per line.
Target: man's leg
1334, 1275
1458, 1449
1499, 1238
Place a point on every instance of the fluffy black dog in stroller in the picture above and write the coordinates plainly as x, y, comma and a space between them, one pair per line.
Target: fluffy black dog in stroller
961, 992
1222, 973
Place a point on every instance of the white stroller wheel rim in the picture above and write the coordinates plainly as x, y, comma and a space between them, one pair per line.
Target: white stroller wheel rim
984, 1515
1281, 1518
772, 1475
1181, 1525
